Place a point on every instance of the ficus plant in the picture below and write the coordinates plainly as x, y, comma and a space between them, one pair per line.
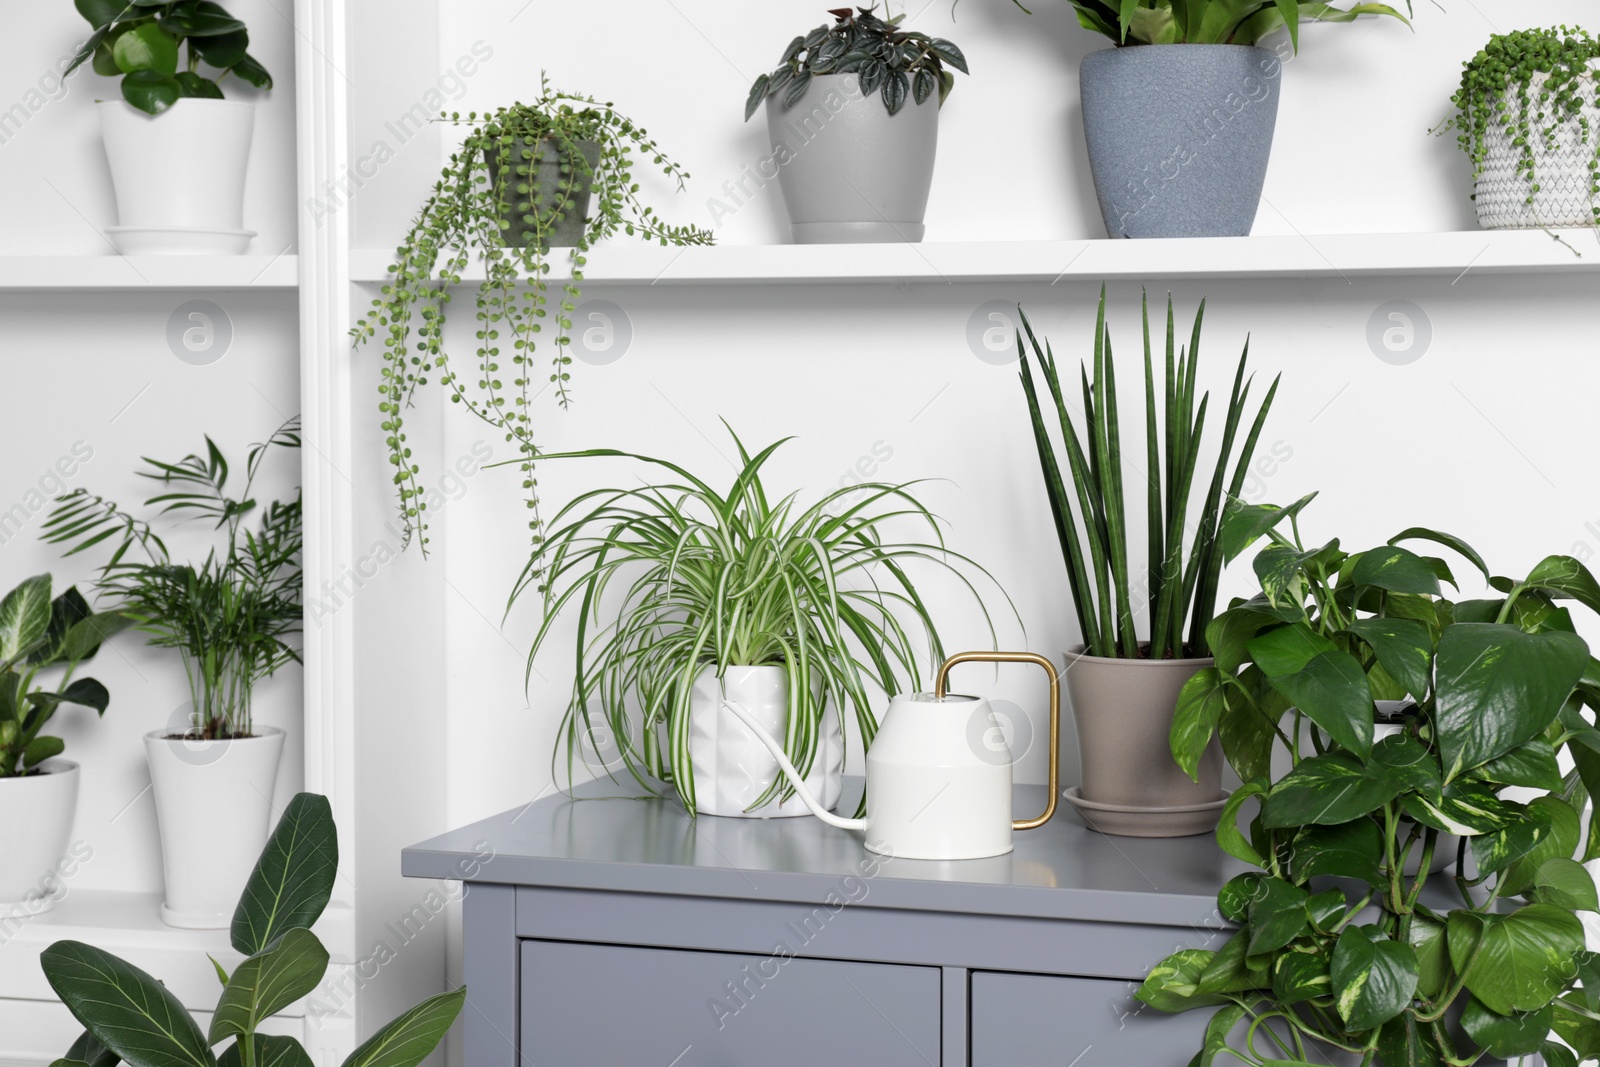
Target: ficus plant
166, 50
39, 634
896, 63
712, 578
1418, 879
1531, 85
1085, 484
1136, 22
494, 202
131, 1017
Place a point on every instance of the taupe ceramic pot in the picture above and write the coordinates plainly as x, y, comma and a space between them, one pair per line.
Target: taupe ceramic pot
1132, 787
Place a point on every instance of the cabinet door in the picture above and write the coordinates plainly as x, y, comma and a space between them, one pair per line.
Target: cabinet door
1075, 1022
585, 1004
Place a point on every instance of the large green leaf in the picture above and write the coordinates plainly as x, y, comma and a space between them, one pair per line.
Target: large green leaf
1560, 843
271, 1051
412, 1036
1566, 883
1565, 576
1498, 688
1517, 962
1349, 850
1200, 706
1300, 973
1374, 978
1507, 1036
293, 880
268, 982
1326, 790
151, 91
1468, 808
1427, 940
1450, 541
1233, 969
128, 1011
1277, 915
1233, 900
1405, 761
1243, 524
24, 617
1404, 1042
1527, 828
1321, 680
1533, 765
1230, 633
1405, 649
147, 47
1173, 985
1397, 570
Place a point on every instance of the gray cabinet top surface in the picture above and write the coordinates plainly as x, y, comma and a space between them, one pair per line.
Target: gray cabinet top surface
607, 837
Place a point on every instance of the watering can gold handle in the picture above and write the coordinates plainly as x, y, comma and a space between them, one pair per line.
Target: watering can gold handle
1055, 716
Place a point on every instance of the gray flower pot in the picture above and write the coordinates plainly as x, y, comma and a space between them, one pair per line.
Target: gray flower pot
1179, 136
852, 173
560, 193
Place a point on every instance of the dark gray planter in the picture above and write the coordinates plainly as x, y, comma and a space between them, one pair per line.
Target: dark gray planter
852, 173
561, 192
1179, 136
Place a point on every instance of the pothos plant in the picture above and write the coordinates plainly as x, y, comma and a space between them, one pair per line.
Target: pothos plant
1530, 85
897, 64
1346, 938
129, 1016
1135, 22
158, 48
522, 174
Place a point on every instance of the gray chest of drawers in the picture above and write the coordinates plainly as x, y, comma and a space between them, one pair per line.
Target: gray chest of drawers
616, 931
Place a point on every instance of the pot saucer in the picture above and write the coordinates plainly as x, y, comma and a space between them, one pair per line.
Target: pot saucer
1121, 820
178, 241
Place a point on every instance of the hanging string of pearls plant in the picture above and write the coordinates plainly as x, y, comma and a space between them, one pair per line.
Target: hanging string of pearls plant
529, 178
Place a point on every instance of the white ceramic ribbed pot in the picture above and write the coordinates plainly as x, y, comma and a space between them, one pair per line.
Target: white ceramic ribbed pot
1560, 192
732, 768
179, 176
852, 173
213, 808
34, 836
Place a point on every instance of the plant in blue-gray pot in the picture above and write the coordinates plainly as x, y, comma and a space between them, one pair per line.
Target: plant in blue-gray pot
1353, 932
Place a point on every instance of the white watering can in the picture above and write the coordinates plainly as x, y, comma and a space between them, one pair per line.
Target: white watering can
938, 772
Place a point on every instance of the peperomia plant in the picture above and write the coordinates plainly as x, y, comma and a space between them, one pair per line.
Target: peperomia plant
1134, 22
898, 64
1345, 937
157, 47
130, 1016
519, 179
38, 633
1531, 85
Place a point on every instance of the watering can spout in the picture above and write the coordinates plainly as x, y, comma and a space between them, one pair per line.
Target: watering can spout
789, 771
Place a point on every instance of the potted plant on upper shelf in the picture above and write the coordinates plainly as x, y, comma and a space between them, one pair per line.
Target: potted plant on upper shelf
1179, 138
793, 613
230, 619
521, 184
1528, 116
38, 633
855, 159
172, 56
1125, 690
1346, 945
131, 1016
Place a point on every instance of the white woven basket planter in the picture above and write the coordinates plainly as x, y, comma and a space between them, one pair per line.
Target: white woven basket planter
1561, 169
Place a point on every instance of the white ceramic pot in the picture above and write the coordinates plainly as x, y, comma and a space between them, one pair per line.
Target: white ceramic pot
179, 176
732, 768
213, 806
34, 836
1560, 192
852, 173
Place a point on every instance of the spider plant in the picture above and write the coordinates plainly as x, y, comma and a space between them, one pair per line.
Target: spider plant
230, 617
709, 579
1180, 583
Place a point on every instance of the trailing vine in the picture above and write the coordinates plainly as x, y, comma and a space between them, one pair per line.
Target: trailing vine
514, 188
1515, 61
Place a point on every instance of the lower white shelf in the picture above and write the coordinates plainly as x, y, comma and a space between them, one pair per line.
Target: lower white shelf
1336, 256
110, 272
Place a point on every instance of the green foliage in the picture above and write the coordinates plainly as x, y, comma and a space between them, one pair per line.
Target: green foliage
897, 64
1180, 583
40, 633
1136, 22
157, 47
714, 579
489, 203
1492, 693
1530, 84
130, 1015
231, 617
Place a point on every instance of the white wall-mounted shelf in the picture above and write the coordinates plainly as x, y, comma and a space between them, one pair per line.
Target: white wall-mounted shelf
109, 272
1338, 256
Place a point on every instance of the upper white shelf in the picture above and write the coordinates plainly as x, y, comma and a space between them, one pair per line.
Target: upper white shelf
1338, 256
148, 272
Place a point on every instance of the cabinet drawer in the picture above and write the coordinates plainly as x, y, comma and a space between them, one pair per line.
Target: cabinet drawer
1083, 1022
586, 1004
